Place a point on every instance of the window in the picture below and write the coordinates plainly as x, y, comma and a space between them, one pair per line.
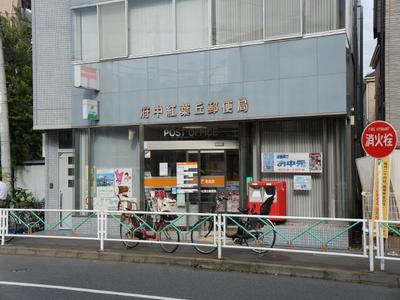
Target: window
282, 17
84, 26
237, 21
112, 30
150, 26
162, 26
320, 16
65, 140
192, 28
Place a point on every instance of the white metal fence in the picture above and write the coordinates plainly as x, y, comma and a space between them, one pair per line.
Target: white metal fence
208, 232
387, 245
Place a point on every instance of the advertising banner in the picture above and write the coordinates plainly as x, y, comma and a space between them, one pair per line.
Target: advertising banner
107, 183
385, 192
291, 162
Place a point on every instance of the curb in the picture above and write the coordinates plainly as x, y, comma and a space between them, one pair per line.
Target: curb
223, 265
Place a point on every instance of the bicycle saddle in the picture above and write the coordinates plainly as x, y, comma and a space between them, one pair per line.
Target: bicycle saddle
243, 210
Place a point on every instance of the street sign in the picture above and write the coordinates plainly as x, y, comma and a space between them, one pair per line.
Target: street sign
379, 139
90, 110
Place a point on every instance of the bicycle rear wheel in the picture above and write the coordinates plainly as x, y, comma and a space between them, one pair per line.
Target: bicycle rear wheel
203, 233
169, 234
262, 236
126, 233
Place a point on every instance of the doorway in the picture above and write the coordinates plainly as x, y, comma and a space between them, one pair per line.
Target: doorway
212, 172
66, 183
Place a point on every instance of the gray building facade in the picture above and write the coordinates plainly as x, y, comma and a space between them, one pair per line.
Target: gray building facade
228, 88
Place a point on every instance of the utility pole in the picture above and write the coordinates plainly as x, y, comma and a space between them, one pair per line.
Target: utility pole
4, 127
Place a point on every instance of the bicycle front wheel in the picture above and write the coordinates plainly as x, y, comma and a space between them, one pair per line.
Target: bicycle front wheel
126, 233
203, 233
169, 235
262, 236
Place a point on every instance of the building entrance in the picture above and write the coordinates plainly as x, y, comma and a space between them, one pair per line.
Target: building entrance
194, 177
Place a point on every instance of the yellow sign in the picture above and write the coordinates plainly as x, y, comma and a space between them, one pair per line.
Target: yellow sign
385, 192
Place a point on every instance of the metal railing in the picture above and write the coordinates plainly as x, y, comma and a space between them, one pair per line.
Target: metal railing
324, 236
321, 236
386, 233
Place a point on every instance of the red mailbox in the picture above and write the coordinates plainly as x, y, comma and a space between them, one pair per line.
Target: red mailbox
260, 191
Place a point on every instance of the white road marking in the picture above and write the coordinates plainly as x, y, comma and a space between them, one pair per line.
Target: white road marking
83, 290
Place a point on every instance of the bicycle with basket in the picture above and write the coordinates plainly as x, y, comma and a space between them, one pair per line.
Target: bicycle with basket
136, 226
257, 232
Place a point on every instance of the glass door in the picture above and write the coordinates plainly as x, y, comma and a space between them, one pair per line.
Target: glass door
212, 169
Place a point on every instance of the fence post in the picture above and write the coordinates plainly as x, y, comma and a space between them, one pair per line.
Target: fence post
101, 229
364, 237
3, 215
219, 227
382, 247
371, 246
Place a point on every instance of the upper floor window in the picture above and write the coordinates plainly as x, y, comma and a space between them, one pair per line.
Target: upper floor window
325, 15
282, 18
84, 26
237, 21
112, 30
150, 26
146, 27
192, 30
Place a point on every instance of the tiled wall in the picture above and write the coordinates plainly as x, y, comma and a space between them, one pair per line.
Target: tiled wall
52, 73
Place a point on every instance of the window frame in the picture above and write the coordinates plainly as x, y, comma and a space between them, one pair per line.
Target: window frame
175, 49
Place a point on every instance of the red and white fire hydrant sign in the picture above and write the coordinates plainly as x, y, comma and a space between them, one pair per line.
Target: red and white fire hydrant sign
379, 139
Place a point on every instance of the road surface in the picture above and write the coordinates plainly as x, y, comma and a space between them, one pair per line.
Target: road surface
51, 278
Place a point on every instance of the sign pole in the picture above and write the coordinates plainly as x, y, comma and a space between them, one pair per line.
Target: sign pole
380, 204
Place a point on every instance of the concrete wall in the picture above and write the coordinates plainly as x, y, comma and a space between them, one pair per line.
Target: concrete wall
392, 63
32, 178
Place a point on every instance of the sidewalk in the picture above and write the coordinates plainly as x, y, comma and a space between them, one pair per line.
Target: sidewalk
275, 263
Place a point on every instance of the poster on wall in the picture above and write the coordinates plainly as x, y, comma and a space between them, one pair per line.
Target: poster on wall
123, 177
107, 183
163, 169
187, 177
291, 162
302, 183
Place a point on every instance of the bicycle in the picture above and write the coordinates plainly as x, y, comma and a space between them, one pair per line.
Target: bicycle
20, 222
252, 232
147, 227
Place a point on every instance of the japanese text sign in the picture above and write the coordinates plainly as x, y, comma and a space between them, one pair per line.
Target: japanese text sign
183, 110
292, 162
379, 139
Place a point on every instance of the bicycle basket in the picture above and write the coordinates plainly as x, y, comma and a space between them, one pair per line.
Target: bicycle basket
127, 204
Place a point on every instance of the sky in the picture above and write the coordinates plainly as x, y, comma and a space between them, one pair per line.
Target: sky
369, 42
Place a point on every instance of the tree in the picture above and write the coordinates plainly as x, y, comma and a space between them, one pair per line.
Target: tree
16, 33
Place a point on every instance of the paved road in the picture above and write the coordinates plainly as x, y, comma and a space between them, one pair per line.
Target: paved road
64, 279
